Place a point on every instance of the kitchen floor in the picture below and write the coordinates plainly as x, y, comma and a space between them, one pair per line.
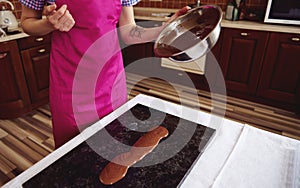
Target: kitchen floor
26, 140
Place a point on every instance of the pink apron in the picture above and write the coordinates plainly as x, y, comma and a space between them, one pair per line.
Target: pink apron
87, 79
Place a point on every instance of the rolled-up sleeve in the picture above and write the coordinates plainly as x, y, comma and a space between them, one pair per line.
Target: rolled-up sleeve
126, 3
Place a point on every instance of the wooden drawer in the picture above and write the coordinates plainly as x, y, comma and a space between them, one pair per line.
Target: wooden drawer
33, 41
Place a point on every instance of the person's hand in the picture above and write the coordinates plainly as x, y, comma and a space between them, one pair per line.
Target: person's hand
60, 19
173, 17
177, 14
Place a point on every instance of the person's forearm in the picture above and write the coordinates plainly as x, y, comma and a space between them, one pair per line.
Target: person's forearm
134, 34
34, 26
55, 19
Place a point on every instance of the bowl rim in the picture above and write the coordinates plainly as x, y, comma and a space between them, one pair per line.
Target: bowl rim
185, 15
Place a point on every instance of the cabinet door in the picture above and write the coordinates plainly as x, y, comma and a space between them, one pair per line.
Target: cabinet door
241, 59
132, 53
280, 78
36, 63
14, 99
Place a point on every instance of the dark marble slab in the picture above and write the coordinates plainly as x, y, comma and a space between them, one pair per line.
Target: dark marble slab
82, 165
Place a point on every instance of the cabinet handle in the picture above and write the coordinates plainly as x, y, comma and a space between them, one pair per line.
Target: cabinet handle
42, 50
244, 34
40, 39
3, 55
295, 39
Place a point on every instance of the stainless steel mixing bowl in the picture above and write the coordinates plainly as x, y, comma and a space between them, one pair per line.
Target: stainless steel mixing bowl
191, 35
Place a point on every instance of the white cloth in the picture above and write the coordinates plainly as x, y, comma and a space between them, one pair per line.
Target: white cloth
261, 159
214, 157
247, 157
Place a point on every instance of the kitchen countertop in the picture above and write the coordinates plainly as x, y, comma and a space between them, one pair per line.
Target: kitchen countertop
145, 13
260, 26
237, 155
13, 37
154, 14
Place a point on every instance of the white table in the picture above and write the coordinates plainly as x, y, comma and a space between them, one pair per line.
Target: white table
237, 156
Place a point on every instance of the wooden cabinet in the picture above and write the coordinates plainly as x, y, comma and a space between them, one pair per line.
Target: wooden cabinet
262, 66
35, 53
280, 77
241, 59
14, 98
24, 75
137, 59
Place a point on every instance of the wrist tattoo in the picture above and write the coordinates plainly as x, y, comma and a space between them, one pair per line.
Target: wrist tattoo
136, 31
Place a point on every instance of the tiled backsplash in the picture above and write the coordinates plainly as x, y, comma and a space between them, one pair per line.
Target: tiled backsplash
174, 4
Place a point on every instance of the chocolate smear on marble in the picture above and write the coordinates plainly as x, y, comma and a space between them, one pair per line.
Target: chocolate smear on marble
118, 167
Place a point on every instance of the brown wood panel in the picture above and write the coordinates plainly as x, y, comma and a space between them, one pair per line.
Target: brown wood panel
36, 63
14, 99
5, 165
33, 41
22, 142
2, 133
36, 147
32, 127
22, 149
281, 71
13, 129
21, 162
241, 59
4, 178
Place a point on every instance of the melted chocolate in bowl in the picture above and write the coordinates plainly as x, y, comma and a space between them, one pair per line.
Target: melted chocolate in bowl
117, 168
203, 23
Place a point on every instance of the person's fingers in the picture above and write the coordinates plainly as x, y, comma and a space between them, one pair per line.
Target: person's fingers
49, 9
66, 22
61, 19
183, 11
67, 26
180, 12
56, 16
59, 13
